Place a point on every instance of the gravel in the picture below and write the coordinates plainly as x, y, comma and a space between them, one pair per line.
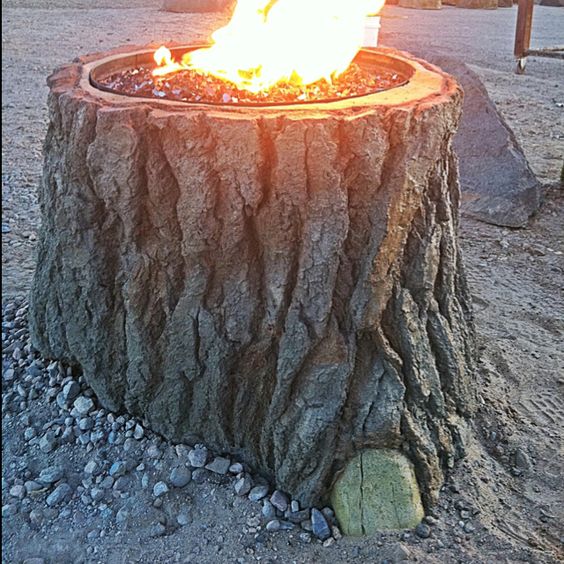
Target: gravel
159, 489
279, 500
319, 525
180, 477
59, 494
198, 457
118, 468
83, 405
219, 465
258, 493
51, 474
423, 531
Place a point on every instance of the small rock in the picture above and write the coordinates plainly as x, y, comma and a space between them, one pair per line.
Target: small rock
107, 482
83, 405
156, 530
219, 465
160, 488
319, 525
258, 492
198, 457
268, 510
17, 491
96, 494
9, 510
180, 477
71, 391
138, 432
253, 521
305, 537
59, 494
243, 485
183, 519
273, 525
91, 468
118, 468
31, 486
236, 468
199, 475
86, 423
36, 517
279, 500
336, 532
297, 516
522, 460
329, 514
154, 452
469, 527
48, 442
294, 506
329, 542
423, 531
121, 484
51, 474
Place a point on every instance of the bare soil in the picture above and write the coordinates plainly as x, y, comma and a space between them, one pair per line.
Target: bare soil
511, 483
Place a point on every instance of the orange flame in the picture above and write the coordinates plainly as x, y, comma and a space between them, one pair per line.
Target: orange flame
269, 41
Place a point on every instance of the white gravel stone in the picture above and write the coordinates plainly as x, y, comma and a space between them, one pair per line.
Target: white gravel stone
159, 489
138, 432
83, 405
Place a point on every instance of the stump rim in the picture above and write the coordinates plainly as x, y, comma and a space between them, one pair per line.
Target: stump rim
427, 83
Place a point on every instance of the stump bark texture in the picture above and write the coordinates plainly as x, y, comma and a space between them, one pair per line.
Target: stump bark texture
281, 284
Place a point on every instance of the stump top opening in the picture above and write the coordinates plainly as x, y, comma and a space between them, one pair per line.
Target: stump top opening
422, 82
133, 76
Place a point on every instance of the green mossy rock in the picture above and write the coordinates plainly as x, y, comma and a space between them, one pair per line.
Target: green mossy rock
377, 491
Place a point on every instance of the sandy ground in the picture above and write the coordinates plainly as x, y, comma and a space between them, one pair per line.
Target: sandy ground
512, 477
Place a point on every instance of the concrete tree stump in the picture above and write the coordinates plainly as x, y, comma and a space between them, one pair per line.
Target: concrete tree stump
283, 284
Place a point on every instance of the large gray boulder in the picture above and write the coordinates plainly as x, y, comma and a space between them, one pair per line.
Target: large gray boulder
498, 185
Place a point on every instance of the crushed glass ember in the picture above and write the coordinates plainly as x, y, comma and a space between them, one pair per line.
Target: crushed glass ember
193, 86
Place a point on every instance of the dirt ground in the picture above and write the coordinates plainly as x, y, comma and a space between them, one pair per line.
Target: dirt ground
512, 479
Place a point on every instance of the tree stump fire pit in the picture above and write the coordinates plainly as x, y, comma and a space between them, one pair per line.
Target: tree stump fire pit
282, 283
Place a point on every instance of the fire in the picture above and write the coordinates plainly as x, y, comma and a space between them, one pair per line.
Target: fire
269, 41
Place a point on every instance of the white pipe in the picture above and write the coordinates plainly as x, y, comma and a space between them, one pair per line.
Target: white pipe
371, 28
